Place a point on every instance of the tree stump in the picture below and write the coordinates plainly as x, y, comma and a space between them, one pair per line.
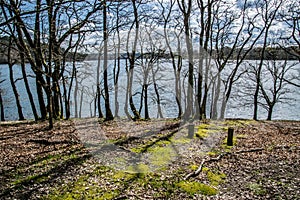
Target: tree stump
191, 130
230, 137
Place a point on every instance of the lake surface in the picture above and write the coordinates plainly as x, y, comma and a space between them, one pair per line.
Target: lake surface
239, 105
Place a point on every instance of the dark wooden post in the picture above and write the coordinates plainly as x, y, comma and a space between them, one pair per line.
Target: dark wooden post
230, 137
191, 130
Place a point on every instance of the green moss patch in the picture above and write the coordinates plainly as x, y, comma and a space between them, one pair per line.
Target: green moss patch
226, 147
31, 178
88, 187
139, 168
215, 178
76, 190
121, 176
205, 129
161, 156
193, 187
257, 189
193, 167
202, 133
180, 140
211, 153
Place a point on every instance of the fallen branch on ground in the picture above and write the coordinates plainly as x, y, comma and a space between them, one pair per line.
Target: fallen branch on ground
198, 171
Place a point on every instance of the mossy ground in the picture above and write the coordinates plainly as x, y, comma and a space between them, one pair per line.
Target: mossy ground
161, 153
192, 187
70, 171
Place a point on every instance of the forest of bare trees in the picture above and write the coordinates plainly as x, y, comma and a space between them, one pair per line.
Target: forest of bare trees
209, 45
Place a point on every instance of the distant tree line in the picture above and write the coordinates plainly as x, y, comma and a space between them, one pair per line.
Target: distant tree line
272, 53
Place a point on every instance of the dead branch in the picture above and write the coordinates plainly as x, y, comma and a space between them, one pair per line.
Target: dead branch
199, 170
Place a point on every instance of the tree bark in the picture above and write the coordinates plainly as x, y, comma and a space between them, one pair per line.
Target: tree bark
146, 101
270, 112
108, 113
130, 71
100, 114
186, 17
2, 115
29, 93
12, 83
81, 102
75, 97
216, 98
268, 17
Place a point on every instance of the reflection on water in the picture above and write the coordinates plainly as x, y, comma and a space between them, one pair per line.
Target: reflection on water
238, 107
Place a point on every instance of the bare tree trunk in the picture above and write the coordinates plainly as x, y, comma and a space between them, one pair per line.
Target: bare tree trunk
204, 37
66, 99
117, 64
32, 104
186, 11
141, 99
216, 98
108, 113
270, 112
73, 76
206, 87
223, 107
100, 114
12, 83
146, 101
61, 114
127, 91
268, 17
204, 101
40, 83
2, 116
177, 72
40, 94
75, 97
159, 111
116, 83
199, 111
131, 57
81, 103
91, 109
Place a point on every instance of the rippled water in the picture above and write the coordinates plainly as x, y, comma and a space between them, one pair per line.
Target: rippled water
238, 107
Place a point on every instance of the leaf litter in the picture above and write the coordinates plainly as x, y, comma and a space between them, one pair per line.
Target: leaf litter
91, 159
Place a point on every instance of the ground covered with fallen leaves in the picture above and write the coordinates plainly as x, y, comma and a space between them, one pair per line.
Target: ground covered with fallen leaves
156, 159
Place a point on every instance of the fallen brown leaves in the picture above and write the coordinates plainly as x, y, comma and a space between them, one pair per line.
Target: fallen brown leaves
271, 170
264, 164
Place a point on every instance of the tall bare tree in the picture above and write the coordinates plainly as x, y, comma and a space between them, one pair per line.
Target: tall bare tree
108, 113
186, 10
131, 56
43, 49
268, 10
171, 36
